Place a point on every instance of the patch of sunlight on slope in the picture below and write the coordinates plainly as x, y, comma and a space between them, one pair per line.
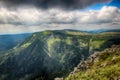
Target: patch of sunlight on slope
96, 44
34, 35
68, 40
50, 42
109, 33
47, 32
4, 57
62, 59
82, 43
77, 33
25, 45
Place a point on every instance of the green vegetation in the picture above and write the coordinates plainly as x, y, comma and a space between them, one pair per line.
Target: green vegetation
49, 54
106, 73
68, 40
106, 68
76, 33
26, 44
47, 32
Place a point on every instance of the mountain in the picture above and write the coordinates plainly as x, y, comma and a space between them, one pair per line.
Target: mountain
94, 31
49, 54
102, 65
11, 40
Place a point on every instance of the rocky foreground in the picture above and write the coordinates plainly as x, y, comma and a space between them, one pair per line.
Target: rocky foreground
104, 65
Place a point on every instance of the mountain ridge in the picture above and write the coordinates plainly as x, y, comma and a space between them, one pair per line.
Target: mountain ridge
56, 52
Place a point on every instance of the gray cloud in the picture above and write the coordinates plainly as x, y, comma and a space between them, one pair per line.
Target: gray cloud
65, 4
21, 21
22, 16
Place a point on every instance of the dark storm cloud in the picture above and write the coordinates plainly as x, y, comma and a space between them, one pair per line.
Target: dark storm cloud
65, 4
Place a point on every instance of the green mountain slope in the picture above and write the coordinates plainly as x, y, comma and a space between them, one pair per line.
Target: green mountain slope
103, 65
48, 54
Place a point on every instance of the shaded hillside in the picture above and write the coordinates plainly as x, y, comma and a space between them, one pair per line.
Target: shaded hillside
103, 65
48, 54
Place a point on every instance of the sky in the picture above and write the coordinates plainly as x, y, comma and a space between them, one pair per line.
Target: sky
26, 16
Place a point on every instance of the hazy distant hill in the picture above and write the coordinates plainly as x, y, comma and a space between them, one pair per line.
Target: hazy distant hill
9, 41
48, 54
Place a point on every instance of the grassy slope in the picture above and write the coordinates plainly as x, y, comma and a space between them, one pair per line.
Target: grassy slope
110, 71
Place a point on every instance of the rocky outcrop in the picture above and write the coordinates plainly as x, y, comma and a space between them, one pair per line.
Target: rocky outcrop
58, 79
84, 65
99, 61
94, 57
114, 48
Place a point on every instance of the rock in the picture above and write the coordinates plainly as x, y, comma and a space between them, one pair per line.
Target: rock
94, 56
58, 79
117, 78
76, 70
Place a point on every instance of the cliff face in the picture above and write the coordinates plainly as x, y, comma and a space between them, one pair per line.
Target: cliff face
44, 55
102, 65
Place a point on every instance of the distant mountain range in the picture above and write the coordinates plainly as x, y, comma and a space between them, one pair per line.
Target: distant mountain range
104, 30
96, 31
49, 54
